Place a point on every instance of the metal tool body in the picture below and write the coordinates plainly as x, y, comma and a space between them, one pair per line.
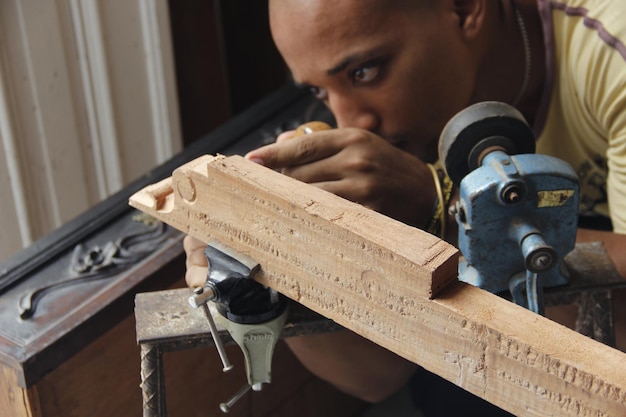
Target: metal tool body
253, 315
517, 211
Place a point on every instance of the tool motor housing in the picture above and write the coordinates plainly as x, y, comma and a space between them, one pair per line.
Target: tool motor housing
517, 211
507, 200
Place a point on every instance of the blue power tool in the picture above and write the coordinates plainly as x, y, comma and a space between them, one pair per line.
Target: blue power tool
517, 211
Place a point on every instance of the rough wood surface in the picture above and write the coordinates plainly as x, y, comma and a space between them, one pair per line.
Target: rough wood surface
378, 277
302, 232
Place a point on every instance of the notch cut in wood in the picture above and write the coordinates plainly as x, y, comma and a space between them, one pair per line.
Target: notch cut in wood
298, 229
377, 277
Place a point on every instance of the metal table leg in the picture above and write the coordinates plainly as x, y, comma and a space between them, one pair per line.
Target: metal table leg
152, 381
595, 316
166, 323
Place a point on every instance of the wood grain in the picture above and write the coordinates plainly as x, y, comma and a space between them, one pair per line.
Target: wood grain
379, 278
303, 232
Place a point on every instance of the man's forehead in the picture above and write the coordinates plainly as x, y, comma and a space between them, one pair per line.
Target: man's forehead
337, 36
331, 18
376, 6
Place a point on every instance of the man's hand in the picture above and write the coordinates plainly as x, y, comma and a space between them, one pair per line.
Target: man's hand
359, 166
196, 262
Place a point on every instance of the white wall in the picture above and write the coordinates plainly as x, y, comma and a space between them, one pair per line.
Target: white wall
87, 104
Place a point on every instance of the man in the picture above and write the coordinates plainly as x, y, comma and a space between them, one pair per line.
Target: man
394, 72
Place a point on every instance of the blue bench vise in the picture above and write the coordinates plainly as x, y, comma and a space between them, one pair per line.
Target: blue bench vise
517, 211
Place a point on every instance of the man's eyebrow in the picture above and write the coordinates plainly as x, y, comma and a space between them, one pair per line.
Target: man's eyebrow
347, 61
333, 71
343, 64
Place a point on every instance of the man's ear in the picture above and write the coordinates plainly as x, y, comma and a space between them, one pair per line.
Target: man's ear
471, 14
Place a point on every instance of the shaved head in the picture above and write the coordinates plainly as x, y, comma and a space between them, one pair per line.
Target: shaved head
374, 5
352, 7
330, 19
398, 68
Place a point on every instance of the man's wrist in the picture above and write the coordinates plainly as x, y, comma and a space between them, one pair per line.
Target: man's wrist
444, 191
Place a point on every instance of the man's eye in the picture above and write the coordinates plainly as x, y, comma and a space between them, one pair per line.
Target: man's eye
364, 75
318, 93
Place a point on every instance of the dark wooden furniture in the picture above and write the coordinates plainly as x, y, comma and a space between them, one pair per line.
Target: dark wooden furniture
76, 355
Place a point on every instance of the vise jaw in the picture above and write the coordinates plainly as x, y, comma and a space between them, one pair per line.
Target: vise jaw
253, 315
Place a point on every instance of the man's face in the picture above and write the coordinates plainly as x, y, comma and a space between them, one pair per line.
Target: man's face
400, 71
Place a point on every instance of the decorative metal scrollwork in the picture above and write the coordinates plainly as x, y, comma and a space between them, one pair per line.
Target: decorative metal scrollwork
98, 262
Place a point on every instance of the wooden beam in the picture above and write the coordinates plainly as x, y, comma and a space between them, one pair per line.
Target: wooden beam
378, 277
301, 232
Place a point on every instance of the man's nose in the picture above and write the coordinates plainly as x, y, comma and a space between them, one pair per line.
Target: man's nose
352, 113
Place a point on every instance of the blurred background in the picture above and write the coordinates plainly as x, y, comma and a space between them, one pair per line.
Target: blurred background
95, 93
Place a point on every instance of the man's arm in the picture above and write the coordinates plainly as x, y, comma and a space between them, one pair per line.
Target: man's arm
353, 364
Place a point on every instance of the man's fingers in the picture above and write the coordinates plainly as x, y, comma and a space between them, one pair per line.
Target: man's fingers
318, 171
296, 151
196, 258
190, 244
196, 262
286, 135
196, 276
195, 253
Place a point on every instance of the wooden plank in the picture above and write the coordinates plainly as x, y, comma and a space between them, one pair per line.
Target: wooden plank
378, 277
288, 223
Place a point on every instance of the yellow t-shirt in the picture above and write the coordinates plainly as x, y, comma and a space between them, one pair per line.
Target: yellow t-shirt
583, 120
